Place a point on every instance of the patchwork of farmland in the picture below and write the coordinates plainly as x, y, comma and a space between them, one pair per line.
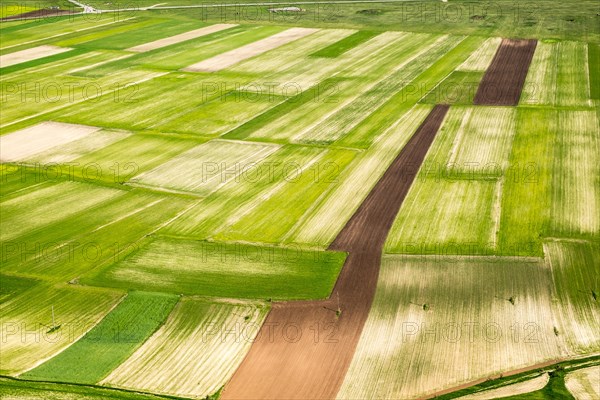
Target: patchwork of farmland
199, 208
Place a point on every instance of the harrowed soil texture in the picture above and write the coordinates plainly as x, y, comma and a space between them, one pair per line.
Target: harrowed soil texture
304, 349
503, 81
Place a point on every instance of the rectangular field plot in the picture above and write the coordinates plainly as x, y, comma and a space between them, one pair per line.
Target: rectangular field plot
196, 33
575, 269
27, 335
439, 322
442, 216
195, 352
576, 194
224, 270
110, 342
527, 192
24, 144
74, 243
204, 168
34, 53
558, 75
232, 57
584, 383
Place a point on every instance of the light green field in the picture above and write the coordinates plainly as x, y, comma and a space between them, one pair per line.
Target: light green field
195, 352
473, 143
108, 343
558, 75
584, 383
441, 321
27, 335
64, 241
446, 217
224, 270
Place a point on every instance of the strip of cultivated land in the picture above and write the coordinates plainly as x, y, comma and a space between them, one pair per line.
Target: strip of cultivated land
504, 78
272, 368
232, 57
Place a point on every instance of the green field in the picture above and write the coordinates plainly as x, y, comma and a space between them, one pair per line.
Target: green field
224, 270
108, 343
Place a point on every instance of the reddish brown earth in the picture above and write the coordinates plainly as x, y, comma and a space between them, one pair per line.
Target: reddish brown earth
304, 349
44, 12
503, 81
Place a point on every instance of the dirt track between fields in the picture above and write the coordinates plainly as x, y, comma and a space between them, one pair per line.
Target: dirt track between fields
504, 79
304, 349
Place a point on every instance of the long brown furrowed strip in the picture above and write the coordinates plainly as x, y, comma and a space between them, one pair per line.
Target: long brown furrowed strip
305, 348
503, 81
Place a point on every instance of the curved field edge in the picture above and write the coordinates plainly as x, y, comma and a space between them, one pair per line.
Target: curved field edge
556, 371
20, 389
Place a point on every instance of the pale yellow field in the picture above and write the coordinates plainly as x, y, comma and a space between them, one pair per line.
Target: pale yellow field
195, 352
584, 384
515, 389
437, 322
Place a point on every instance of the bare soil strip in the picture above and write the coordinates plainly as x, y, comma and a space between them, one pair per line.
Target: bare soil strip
503, 80
34, 53
304, 349
232, 57
182, 37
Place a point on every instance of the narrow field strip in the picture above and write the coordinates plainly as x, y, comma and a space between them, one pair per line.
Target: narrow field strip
182, 37
195, 352
27, 339
50, 204
271, 368
504, 78
528, 386
224, 270
25, 143
232, 57
110, 342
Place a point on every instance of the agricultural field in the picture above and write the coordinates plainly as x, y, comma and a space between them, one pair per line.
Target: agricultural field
348, 200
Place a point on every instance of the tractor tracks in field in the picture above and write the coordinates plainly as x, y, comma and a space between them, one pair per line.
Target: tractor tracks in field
304, 348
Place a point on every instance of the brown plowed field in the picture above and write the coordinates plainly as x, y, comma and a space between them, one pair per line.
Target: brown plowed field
304, 349
503, 81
